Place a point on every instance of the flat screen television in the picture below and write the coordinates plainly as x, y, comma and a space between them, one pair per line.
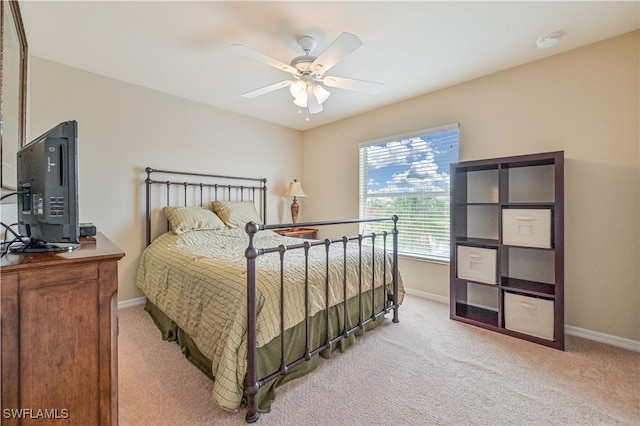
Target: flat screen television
47, 181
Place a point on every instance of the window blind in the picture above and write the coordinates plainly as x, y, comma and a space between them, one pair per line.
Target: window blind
408, 176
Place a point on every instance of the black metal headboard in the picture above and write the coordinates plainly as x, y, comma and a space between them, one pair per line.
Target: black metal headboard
201, 188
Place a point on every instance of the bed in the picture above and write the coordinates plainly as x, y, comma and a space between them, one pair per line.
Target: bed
247, 305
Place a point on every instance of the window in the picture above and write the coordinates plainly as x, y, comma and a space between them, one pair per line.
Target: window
408, 175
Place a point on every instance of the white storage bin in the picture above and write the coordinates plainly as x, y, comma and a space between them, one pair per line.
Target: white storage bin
477, 264
526, 227
528, 315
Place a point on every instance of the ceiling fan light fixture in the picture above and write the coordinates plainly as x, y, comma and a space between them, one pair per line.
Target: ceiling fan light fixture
298, 89
301, 101
321, 93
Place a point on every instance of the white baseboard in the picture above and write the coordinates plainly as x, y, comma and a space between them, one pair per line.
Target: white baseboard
132, 302
426, 295
620, 342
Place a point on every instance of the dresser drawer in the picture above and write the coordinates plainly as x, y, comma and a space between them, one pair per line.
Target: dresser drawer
60, 274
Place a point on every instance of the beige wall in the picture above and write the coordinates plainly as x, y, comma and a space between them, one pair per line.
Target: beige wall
124, 128
585, 102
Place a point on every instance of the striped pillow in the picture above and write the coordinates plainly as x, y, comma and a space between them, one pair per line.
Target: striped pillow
236, 213
183, 219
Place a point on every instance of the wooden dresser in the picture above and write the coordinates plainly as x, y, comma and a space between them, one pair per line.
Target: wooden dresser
60, 336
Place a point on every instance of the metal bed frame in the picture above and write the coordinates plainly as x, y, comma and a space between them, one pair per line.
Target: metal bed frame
215, 191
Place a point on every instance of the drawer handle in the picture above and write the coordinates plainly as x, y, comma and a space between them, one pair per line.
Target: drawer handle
528, 218
475, 256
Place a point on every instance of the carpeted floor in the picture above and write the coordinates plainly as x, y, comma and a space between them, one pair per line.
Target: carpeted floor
425, 370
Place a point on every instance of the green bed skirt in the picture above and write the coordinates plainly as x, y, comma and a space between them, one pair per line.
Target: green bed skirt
269, 355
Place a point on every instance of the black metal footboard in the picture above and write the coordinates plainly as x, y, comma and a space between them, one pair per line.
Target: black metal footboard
390, 302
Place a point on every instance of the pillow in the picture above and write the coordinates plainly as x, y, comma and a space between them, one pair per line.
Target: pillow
183, 219
236, 213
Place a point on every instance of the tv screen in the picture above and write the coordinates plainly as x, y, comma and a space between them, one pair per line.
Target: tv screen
47, 169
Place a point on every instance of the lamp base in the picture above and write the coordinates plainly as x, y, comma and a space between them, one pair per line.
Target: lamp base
294, 210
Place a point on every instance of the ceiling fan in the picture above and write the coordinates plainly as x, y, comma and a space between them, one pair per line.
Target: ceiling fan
308, 72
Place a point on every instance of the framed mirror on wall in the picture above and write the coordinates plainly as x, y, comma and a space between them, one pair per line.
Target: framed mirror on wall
13, 91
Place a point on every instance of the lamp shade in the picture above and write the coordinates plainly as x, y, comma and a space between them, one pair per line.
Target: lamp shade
298, 89
295, 190
321, 93
301, 92
301, 101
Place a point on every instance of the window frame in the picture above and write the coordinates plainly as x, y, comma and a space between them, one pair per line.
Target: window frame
363, 179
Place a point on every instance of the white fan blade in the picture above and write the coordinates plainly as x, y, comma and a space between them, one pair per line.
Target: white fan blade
254, 54
340, 48
312, 102
267, 89
353, 84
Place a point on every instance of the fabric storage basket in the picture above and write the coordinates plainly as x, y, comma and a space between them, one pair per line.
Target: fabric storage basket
529, 315
477, 264
526, 227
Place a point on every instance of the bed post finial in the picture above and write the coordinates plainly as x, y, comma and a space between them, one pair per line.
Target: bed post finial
252, 386
148, 183
264, 200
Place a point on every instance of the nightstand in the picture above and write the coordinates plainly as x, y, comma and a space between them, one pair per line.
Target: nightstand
308, 233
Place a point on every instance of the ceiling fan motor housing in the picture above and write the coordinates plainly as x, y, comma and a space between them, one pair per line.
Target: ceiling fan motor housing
303, 63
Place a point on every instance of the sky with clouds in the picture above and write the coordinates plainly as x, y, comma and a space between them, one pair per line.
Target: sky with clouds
419, 164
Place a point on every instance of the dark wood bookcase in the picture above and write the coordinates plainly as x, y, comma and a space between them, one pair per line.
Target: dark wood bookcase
507, 246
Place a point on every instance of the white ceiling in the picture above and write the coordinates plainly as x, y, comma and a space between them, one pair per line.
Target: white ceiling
416, 47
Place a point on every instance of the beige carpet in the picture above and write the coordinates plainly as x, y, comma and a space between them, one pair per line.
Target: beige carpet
425, 370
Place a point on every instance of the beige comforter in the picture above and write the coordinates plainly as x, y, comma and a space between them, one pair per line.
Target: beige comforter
199, 280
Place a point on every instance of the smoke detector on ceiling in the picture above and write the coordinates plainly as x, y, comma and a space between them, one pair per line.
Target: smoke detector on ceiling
547, 41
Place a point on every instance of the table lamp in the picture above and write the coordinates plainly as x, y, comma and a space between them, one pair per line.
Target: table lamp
294, 190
